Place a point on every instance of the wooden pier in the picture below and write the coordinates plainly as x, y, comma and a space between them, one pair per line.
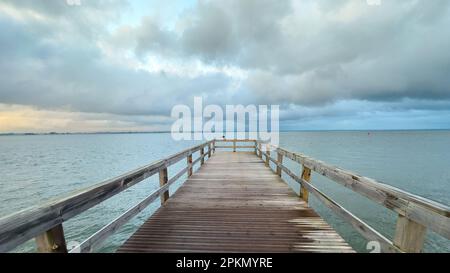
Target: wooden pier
237, 201
234, 203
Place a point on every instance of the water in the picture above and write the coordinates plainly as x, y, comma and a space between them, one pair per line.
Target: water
37, 168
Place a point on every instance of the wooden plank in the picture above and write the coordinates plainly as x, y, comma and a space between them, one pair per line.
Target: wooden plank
426, 212
22, 226
202, 153
163, 178
189, 163
364, 229
90, 243
235, 170
235, 140
306, 177
409, 235
235, 215
52, 241
279, 162
235, 147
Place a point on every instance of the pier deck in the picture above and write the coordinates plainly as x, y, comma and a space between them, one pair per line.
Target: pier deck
234, 203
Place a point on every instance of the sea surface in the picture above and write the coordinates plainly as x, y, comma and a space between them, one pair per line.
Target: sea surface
37, 168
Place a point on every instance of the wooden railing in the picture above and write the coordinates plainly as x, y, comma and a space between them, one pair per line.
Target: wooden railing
234, 145
415, 214
44, 222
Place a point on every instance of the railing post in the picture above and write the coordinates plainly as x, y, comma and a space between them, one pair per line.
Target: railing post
256, 148
52, 241
260, 150
214, 146
209, 150
202, 155
189, 163
163, 178
267, 156
409, 235
306, 177
234, 145
279, 161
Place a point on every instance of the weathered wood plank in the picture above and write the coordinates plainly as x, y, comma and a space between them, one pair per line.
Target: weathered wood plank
306, 177
52, 241
242, 179
202, 158
364, 229
94, 240
235, 214
234, 147
235, 140
426, 212
267, 157
163, 178
279, 162
409, 235
189, 163
20, 227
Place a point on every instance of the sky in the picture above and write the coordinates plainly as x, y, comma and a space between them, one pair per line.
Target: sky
118, 65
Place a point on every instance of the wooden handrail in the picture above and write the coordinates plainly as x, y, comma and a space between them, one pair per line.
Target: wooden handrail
235, 140
234, 146
44, 222
415, 213
39, 220
101, 235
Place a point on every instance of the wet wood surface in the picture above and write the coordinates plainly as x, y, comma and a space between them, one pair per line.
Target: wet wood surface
233, 203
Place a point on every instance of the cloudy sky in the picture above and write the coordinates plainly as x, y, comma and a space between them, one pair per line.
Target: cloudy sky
122, 65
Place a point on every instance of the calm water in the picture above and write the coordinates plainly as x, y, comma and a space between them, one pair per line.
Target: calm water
37, 168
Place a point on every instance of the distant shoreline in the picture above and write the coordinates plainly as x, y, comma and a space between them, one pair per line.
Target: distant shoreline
165, 132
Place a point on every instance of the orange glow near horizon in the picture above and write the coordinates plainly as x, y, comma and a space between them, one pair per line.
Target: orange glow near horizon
26, 119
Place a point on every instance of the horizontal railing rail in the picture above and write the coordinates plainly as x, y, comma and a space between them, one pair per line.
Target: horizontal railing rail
234, 142
44, 222
415, 213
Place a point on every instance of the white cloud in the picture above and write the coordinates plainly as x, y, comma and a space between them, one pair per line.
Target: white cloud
315, 55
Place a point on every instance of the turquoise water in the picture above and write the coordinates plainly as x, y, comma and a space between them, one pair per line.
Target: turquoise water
37, 168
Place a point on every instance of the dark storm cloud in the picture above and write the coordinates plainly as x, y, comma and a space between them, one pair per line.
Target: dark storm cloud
82, 84
315, 58
313, 52
45, 66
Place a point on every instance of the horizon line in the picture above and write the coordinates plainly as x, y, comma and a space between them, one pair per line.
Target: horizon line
163, 132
